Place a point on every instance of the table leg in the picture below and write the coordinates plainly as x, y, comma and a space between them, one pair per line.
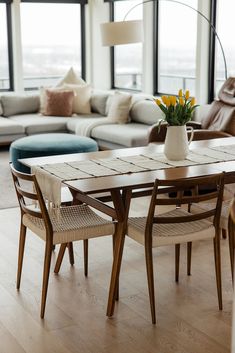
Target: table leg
121, 205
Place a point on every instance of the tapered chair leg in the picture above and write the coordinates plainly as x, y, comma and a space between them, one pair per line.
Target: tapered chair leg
218, 270
177, 261
231, 235
85, 251
224, 233
189, 257
117, 286
21, 253
71, 254
46, 273
60, 257
150, 277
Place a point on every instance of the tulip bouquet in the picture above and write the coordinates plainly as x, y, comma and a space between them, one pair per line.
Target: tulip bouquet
178, 110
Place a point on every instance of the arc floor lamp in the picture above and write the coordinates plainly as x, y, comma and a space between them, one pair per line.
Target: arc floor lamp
126, 32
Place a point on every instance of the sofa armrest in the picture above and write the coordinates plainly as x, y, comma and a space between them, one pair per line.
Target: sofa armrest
208, 135
159, 136
156, 134
194, 124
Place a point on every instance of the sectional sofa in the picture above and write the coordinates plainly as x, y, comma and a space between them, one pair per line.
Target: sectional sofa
19, 116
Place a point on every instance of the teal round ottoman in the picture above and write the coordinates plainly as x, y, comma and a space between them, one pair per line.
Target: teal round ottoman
48, 145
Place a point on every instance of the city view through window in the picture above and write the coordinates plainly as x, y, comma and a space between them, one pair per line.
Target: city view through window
177, 47
226, 10
51, 41
51, 44
128, 58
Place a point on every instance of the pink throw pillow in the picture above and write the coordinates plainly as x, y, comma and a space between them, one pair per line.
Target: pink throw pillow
59, 103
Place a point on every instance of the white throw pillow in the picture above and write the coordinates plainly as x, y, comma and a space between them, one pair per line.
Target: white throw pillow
82, 96
71, 78
120, 107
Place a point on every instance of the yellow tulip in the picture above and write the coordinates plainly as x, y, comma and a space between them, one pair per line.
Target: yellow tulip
181, 101
167, 101
187, 94
173, 100
180, 94
193, 101
158, 102
164, 98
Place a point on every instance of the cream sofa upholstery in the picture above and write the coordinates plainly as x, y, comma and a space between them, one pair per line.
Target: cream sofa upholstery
20, 117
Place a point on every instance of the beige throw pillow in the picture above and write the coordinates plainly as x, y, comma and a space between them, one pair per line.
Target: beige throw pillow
71, 78
120, 107
82, 96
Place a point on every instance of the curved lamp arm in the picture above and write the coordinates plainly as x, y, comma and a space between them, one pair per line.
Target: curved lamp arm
136, 23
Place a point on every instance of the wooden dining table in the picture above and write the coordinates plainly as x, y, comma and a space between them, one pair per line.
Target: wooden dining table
119, 189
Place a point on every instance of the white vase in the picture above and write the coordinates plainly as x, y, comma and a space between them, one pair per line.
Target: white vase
176, 143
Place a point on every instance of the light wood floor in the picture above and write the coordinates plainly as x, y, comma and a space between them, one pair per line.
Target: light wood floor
188, 319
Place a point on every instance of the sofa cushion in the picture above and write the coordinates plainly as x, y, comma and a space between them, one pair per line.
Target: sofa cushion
1, 111
201, 112
59, 103
13, 104
120, 107
81, 100
98, 103
128, 135
8, 127
35, 123
71, 78
72, 122
146, 112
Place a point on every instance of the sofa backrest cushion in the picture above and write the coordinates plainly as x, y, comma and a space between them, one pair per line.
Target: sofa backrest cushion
146, 112
82, 96
1, 110
120, 107
98, 103
19, 104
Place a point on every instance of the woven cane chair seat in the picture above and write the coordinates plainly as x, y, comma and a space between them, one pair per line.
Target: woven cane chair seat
70, 224
195, 208
165, 234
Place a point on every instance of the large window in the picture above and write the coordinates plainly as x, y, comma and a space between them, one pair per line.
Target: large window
177, 31
225, 18
51, 41
4, 58
128, 58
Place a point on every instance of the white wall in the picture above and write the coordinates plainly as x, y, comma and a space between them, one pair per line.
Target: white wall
98, 57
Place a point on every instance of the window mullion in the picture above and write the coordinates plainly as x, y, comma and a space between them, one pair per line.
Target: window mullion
10, 46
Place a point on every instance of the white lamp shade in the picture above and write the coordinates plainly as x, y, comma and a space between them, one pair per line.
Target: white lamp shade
124, 32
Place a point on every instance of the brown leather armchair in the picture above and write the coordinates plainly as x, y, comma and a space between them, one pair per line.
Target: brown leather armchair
219, 121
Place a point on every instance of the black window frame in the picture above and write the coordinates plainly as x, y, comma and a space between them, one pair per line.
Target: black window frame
9, 45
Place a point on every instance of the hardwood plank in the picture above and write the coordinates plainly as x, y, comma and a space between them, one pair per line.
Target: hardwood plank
188, 319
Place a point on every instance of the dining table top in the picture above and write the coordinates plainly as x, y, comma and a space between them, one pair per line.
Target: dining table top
142, 179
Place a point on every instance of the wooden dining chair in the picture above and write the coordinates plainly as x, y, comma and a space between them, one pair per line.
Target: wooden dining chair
178, 225
57, 226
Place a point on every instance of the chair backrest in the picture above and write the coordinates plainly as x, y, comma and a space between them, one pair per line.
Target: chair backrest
30, 193
186, 194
